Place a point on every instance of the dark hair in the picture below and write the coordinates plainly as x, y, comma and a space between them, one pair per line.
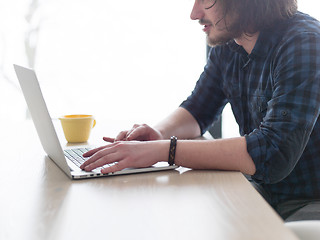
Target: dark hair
255, 15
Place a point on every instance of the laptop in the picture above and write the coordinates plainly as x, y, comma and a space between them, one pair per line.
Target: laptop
68, 160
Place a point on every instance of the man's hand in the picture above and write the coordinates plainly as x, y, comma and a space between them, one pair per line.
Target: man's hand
126, 154
139, 132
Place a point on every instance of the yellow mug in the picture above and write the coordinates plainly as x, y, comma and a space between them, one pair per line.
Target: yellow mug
77, 128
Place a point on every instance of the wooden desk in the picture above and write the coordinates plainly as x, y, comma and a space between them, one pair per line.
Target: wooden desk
38, 201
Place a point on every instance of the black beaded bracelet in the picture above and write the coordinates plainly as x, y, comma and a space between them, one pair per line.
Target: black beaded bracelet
172, 150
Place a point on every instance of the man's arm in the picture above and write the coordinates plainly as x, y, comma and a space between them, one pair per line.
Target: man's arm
180, 123
223, 154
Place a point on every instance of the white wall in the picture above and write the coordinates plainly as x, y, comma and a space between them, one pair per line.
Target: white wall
124, 59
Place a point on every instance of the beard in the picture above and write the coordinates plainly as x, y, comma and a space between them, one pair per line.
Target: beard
220, 40
221, 35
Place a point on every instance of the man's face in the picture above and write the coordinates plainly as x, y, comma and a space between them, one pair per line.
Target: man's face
209, 14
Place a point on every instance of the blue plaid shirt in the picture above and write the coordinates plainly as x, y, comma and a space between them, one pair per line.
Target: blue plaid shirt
275, 96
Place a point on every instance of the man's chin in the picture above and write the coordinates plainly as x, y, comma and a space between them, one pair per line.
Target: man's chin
212, 42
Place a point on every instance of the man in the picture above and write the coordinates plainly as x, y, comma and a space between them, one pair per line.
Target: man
266, 63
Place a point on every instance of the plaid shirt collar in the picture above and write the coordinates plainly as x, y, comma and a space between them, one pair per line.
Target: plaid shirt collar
266, 41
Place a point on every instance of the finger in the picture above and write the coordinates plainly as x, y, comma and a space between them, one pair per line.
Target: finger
137, 134
93, 151
93, 155
134, 127
121, 136
106, 159
98, 163
108, 139
115, 168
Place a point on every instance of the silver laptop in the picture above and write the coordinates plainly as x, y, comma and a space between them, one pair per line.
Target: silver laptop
68, 160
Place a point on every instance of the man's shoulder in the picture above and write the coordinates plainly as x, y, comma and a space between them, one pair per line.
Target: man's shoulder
302, 23
299, 28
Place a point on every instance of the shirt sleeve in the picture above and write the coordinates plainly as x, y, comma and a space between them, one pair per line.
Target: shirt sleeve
207, 100
280, 140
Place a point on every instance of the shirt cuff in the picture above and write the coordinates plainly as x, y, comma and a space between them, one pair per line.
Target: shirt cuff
257, 151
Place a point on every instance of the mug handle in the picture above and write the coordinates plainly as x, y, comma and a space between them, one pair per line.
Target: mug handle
94, 123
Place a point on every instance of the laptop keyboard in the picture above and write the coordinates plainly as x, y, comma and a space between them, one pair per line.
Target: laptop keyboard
75, 156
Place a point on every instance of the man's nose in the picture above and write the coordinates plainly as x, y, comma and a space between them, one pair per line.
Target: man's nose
197, 11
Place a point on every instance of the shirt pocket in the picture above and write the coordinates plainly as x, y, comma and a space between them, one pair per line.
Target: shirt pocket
258, 106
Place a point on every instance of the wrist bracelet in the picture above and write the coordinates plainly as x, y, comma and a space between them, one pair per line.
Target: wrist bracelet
172, 150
